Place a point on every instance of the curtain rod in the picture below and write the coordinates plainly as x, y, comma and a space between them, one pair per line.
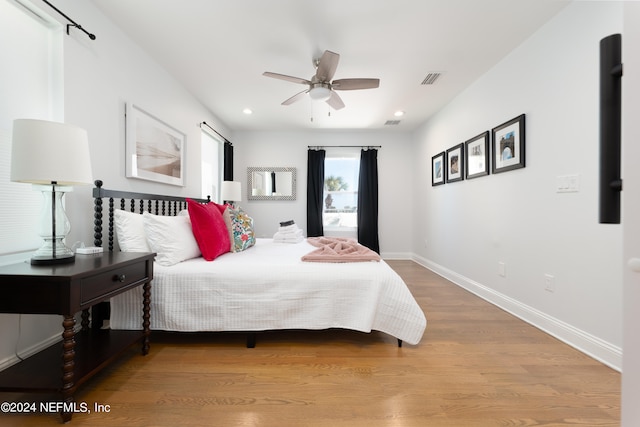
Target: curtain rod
217, 133
343, 146
73, 23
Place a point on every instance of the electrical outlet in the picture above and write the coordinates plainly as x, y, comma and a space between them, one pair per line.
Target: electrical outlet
502, 269
549, 283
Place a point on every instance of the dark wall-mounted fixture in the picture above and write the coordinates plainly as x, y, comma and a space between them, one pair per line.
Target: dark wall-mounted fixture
73, 23
610, 128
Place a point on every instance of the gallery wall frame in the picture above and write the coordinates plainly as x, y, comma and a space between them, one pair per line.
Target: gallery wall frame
155, 151
476, 156
508, 145
438, 169
455, 163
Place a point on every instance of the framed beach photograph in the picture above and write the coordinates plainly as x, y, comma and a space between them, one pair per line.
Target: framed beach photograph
155, 150
508, 146
438, 169
476, 156
455, 163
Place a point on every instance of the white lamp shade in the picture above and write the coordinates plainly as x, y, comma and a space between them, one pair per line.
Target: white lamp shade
231, 191
43, 152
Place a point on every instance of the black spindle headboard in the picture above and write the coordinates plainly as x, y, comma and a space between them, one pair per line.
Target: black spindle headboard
133, 202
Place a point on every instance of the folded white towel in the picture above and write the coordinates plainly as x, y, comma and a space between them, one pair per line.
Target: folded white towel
294, 233
294, 236
296, 239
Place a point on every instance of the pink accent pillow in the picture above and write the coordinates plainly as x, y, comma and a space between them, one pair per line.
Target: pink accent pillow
209, 228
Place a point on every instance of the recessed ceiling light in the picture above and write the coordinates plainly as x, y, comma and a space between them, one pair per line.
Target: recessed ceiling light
247, 111
399, 113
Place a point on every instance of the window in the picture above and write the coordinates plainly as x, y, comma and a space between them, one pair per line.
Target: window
212, 157
340, 207
31, 87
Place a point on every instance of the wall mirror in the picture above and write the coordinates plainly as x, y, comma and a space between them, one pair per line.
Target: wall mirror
271, 183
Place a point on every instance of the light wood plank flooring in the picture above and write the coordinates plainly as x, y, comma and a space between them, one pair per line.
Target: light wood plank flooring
476, 366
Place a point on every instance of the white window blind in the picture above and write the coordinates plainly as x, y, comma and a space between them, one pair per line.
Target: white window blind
30, 87
212, 156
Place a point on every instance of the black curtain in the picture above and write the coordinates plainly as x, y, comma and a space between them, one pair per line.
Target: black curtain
228, 162
315, 189
368, 200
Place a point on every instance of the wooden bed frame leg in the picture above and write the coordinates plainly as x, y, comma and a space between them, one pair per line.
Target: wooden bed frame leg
399, 343
251, 340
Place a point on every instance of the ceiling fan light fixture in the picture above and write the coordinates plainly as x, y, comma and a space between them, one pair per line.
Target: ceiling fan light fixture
320, 93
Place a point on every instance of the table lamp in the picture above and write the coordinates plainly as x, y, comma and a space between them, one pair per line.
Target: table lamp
231, 191
53, 157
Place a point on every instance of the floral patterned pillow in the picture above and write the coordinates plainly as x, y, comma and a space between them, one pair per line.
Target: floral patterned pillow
241, 229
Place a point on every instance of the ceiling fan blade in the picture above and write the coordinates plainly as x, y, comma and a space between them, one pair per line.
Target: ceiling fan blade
287, 78
353, 84
327, 66
335, 101
298, 96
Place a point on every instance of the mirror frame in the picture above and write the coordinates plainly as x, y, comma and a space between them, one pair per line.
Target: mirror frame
251, 170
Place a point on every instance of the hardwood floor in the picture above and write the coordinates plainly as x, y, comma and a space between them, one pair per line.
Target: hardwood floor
475, 366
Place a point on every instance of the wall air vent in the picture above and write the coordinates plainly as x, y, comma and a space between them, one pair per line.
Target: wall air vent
431, 78
392, 122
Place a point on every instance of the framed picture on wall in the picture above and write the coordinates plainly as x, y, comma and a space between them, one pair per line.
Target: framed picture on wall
438, 169
508, 145
455, 163
476, 156
154, 150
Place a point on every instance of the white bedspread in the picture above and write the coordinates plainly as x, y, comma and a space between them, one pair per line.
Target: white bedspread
268, 287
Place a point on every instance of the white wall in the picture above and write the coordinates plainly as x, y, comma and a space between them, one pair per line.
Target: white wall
290, 149
100, 76
464, 229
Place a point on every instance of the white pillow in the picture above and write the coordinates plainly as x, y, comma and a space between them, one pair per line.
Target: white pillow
171, 238
130, 231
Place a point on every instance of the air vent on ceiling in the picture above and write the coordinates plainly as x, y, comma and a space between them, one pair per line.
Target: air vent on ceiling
392, 122
431, 78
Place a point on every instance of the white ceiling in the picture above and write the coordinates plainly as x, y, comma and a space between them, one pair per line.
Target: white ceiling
219, 49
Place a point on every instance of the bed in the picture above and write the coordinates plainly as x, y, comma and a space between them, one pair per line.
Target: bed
265, 287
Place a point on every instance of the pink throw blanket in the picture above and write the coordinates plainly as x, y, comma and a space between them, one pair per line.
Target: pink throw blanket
339, 249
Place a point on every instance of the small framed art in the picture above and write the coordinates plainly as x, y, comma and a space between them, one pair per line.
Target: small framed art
508, 145
455, 163
438, 169
155, 150
476, 156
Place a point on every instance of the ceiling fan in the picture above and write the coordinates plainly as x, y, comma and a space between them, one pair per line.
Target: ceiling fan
320, 87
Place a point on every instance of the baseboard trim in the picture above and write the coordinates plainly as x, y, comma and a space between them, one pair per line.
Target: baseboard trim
588, 344
29, 351
33, 349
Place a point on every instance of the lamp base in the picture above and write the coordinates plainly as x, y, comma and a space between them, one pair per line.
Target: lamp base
48, 260
54, 226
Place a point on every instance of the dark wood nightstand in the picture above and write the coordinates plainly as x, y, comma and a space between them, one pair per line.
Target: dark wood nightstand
67, 289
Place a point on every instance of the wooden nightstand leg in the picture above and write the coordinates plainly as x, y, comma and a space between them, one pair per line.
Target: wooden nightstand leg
68, 355
146, 303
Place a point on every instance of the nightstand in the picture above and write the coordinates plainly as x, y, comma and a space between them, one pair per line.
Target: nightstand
68, 289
